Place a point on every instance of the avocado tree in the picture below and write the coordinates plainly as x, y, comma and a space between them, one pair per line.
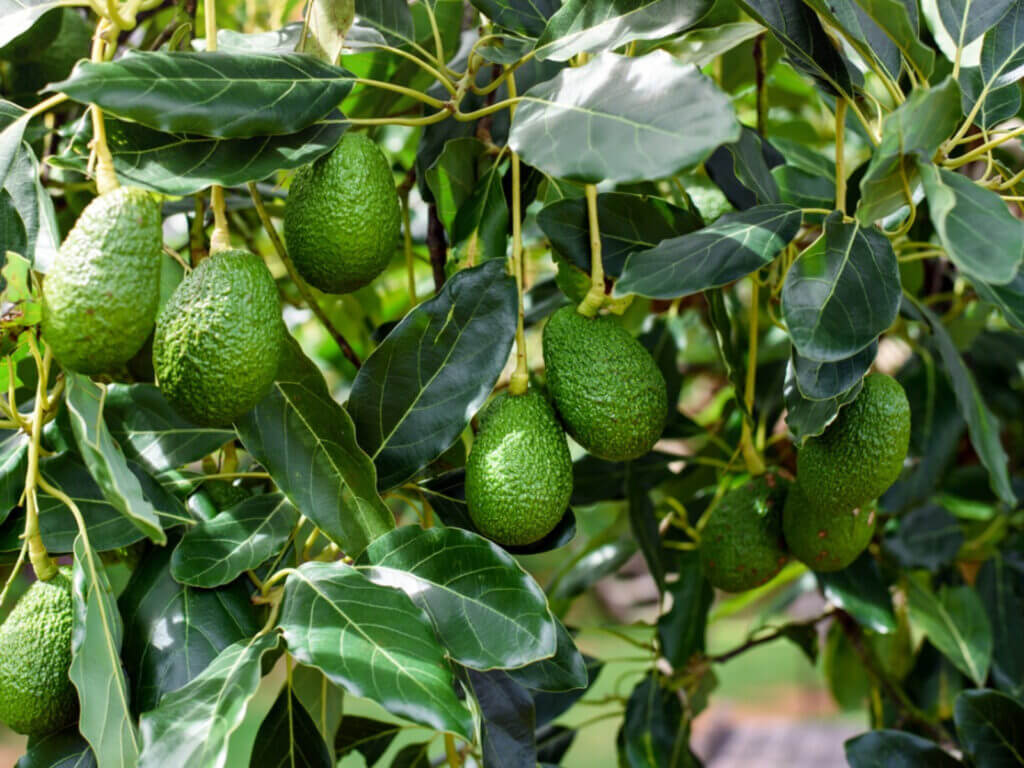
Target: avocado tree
346, 345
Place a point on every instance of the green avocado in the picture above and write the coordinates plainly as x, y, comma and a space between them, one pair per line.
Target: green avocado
606, 386
741, 545
519, 471
100, 295
861, 453
825, 540
36, 694
219, 338
342, 219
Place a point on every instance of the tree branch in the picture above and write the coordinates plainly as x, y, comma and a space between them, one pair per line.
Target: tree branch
437, 245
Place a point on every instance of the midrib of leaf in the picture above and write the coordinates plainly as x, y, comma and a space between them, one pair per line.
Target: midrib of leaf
605, 115
947, 620
245, 543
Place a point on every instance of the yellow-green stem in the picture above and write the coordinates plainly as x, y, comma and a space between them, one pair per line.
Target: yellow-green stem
595, 297
42, 564
454, 758
106, 178
521, 376
220, 238
410, 92
840, 151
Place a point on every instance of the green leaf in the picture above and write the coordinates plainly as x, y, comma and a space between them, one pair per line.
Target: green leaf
654, 731
484, 215
826, 381
735, 245
960, 209
239, 539
593, 27
152, 433
913, 130
106, 719
174, 632
413, 756
278, 41
307, 442
628, 223
1008, 297
20, 16
195, 724
622, 119
703, 45
322, 699
997, 104
508, 720
896, 749
1001, 593
35, 208
372, 640
967, 20
63, 749
927, 537
371, 738
858, 589
842, 292
599, 562
955, 623
104, 458
644, 525
465, 582
288, 738
10, 140
13, 463
183, 164
988, 724
453, 175
882, 30
809, 418
12, 230
899, 20
220, 94
565, 671
417, 391
682, 628
328, 24
391, 18
528, 17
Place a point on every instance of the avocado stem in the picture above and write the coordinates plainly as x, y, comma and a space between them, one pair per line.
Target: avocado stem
520, 380
42, 563
106, 178
595, 297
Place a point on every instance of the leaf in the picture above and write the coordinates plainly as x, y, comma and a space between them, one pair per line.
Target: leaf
1009, 298
417, 391
960, 209
826, 381
12, 230
593, 27
1001, 594
152, 433
486, 610
216, 552
528, 17
1002, 60
988, 724
194, 724
599, 562
278, 41
413, 756
842, 292
809, 418
173, 632
703, 45
644, 525
681, 629
307, 443
329, 21
966, 20
19, 16
220, 94
288, 738
391, 18
896, 749
638, 118
927, 537
956, 624
183, 164
371, 738
730, 248
104, 458
654, 730
105, 719
322, 700
10, 142
485, 216
13, 463
63, 749
997, 104
453, 175
628, 223
565, 671
743, 170
508, 720
372, 640
35, 208
858, 589
552, 744
899, 20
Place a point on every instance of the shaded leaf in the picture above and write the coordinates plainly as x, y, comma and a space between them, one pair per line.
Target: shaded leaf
809, 418
703, 45
896, 749
900, 21
13, 463
956, 624
743, 170
391, 18
997, 104
645, 528
681, 629
485, 216
601, 561
858, 589
825, 381
508, 720
988, 724
526, 16
565, 671
966, 20
288, 738
371, 738
1008, 297
63, 749
1001, 590
20, 16
322, 699
927, 537
654, 732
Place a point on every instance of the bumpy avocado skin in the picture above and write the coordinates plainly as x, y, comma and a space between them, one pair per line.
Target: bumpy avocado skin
741, 546
606, 386
519, 471
861, 453
219, 338
100, 295
825, 540
36, 694
342, 219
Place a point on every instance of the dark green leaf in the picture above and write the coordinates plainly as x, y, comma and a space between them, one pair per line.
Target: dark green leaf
526, 16
863, 34
372, 640
966, 20
453, 175
989, 726
35, 208
743, 170
825, 381
955, 623
322, 699
413, 756
654, 732
703, 45
484, 216
288, 738
603, 560
371, 738
417, 391
682, 628
645, 528
622, 119
20, 16
997, 104
842, 292
552, 744
64, 749
12, 230
899, 20
735, 245
1009, 298
927, 537
391, 18
10, 137
1002, 54
565, 671
308, 444
13, 463
508, 720
220, 94
896, 749
809, 418
858, 589
1002, 593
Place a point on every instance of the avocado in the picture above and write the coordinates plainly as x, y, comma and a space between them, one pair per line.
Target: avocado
100, 295
219, 338
36, 694
861, 453
342, 218
519, 471
825, 539
606, 386
741, 546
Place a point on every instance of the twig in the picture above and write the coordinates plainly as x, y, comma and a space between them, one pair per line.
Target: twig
775, 634
437, 245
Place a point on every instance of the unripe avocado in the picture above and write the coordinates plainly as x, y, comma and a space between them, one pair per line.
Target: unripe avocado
861, 453
219, 338
825, 539
519, 471
36, 694
741, 545
606, 386
101, 293
342, 219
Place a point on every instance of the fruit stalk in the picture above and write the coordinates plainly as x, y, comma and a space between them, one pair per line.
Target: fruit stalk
220, 238
594, 299
106, 178
43, 565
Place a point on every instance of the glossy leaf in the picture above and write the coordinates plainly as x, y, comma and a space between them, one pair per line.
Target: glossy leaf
417, 391
988, 724
896, 749
63, 749
604, 121
220, 94
413, 756
900, 21
217, 551
955, 622
966, 20
997, 104
19, 16
653, 734
743, 170
487, 611
453, 175
703, 45
599, 562
389, 17
371, 738
841, 292
372, 640
323, 700
825, 381
508, 720
565, 671
307, 442
528, 17
1008, 297
682, 628
927, 537
809, 418
288, 738
1002, 594
485, 217
13, 463
858, 589
195, 724
735, 245
35, 208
